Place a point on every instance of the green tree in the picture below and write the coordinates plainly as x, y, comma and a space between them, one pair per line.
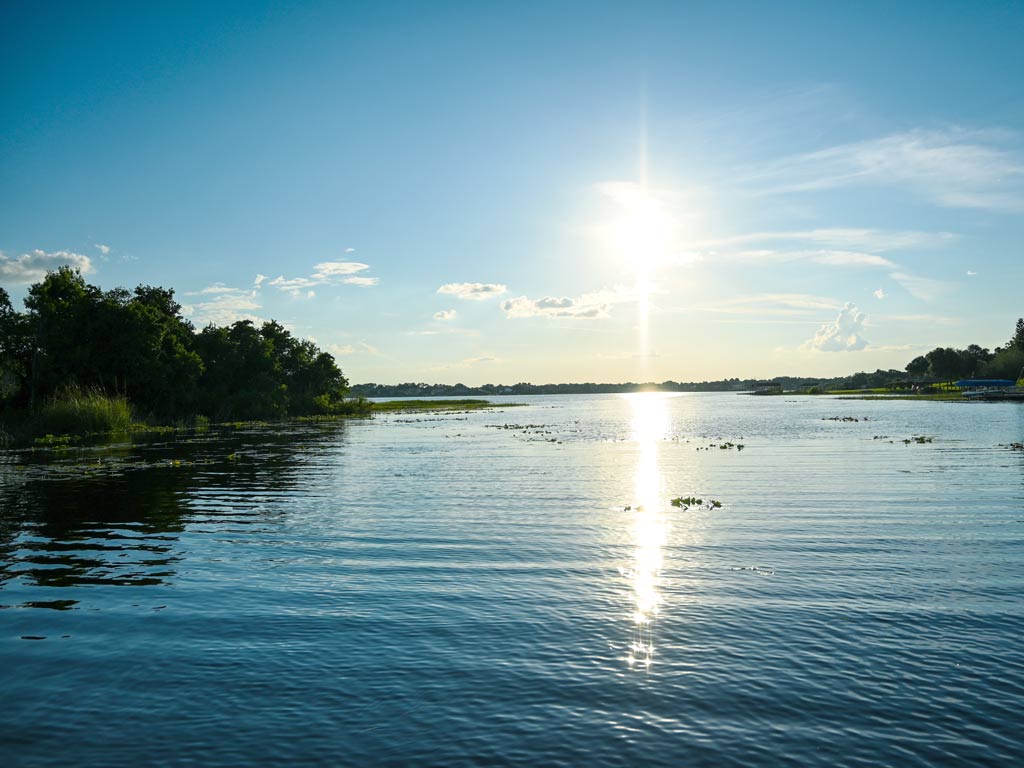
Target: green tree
946, 363
15, 352
58, 313
242, 378
918, 366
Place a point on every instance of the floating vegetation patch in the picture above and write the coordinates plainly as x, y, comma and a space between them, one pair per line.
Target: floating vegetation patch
52, 441
754, 569
1016, 446
453, 406
844, 418
919, 439
726, 446
685, 502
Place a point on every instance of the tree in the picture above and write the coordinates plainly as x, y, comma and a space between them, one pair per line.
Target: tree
946, 363
1018, 335
918, 366
15, 351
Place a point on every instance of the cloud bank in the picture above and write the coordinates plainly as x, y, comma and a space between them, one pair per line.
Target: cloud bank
32, 267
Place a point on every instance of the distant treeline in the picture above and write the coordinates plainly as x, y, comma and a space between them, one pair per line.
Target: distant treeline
75, 337
940, 365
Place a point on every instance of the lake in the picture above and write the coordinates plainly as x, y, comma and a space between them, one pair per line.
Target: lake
515, 587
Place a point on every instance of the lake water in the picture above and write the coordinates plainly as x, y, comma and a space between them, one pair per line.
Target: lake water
514, 587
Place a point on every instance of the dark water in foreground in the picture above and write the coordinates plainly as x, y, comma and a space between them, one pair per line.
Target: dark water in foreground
440, 590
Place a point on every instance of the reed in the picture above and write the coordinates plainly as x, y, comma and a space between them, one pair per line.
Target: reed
75, 411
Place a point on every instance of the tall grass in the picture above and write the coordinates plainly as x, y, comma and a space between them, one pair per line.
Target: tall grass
74, 411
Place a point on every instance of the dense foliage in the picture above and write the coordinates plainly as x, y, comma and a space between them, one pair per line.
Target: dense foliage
947, 363
74, 337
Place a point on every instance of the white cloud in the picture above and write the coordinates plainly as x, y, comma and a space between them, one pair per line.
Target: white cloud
549, 306
325, 270
227, 306
445, 314
971, 273
350, 250
295, 286
953, 168
104, 249
32, 267
842, 334
880, 294
473, 291
589, 306
259, 279
362, 282
216, 288
340, 350
324, 273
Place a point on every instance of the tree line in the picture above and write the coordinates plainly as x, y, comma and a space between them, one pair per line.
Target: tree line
942, 364
139, 345
950, 364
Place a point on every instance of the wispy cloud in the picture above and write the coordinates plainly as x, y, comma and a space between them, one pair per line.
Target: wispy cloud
766, 304
224, 306
445, 314
324, 273
880, 294
846, 238
467, 362
32, 267
954, 168
924, 288
842, 334
104, 249
473, 291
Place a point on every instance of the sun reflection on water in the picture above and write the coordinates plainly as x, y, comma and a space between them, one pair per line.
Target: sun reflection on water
649, 525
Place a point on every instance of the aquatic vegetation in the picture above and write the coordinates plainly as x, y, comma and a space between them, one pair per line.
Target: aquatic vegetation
726, 446
844, 418
1016, 446
52, 441
685, 502
755, 569
435, 405
919, 439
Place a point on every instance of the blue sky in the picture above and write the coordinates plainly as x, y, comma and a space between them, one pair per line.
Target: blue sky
532, 191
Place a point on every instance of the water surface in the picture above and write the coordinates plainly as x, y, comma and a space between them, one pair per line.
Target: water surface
514, 587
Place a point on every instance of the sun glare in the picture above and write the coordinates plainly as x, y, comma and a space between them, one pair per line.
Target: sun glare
650, 528
643, 234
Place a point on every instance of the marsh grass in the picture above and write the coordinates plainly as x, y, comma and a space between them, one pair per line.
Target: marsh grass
74, 411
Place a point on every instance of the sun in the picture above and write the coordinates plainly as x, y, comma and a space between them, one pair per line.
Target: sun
643, 232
